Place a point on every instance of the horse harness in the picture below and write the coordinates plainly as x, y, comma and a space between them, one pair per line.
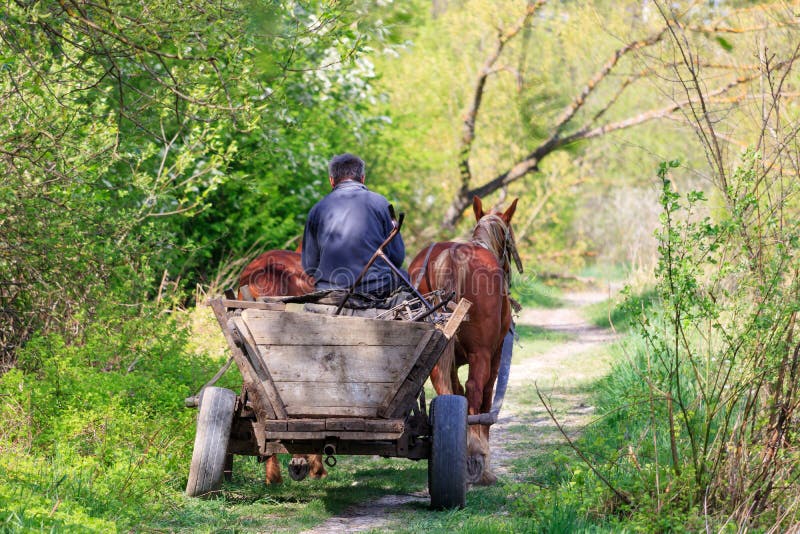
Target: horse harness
504, 248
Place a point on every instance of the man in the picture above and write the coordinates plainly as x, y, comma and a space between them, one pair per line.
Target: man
344, 230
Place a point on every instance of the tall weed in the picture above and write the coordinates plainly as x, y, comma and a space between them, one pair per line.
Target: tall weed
699, 419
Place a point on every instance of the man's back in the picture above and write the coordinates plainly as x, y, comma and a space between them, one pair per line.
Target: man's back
342, 232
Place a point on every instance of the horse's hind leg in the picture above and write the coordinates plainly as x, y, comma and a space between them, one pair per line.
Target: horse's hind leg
458, 389
443, 372
477, 441
272, 470
440, 384
488, 477
316, 467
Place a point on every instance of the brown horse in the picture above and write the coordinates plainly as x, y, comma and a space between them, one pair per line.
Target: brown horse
276, 273
479, 271
279, 273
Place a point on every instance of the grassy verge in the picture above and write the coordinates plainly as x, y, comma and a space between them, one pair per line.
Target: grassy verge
531, 292
542, 488
622, 311
246, 504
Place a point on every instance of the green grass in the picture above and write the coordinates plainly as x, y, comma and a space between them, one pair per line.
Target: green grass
246, 504
533, 293
620, 312
617, 272
535, 340
122, 465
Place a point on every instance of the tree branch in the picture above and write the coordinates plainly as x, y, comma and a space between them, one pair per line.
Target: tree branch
578, 102
470, 117
531, 161
696, 101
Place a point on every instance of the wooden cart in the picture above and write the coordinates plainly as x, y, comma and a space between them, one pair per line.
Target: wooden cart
331, 384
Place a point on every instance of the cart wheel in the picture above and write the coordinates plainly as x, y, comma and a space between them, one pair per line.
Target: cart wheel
447, 466
214, 421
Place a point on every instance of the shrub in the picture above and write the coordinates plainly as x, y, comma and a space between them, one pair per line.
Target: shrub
95, 434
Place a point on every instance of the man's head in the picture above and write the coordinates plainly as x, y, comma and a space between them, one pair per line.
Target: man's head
345, 167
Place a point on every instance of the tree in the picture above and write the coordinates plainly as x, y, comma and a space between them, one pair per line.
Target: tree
585, 117
540, 73
124, 121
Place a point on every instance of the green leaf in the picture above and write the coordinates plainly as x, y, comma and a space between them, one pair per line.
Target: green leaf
727, 46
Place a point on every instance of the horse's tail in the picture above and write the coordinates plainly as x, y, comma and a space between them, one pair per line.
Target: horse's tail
448, 273
444, 384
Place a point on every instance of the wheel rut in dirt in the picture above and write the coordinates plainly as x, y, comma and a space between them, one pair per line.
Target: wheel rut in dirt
556, 371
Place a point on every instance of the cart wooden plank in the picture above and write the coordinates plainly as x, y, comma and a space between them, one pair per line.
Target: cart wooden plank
404, 395
338, 411
300, 328
275, 426
399, 399
410, 362
330, 398
249, 304
263, 373
249, 376
341, 424
366, 436
331, 363
305, 425
346, 424
384, 425
455, 320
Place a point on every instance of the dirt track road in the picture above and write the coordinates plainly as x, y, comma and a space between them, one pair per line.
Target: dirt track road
559, 372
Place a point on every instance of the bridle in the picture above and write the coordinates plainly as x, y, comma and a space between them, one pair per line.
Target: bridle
500, 241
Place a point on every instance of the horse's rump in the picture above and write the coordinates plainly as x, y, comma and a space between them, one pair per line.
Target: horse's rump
278, 273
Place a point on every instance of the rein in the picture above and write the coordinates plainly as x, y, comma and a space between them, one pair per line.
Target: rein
424, 270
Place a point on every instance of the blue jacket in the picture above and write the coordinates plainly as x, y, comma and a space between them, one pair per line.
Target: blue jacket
342, 232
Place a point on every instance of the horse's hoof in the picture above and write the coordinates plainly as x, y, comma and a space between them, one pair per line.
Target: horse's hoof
487, 479
475, 464
316, 467
298, 468
318, 474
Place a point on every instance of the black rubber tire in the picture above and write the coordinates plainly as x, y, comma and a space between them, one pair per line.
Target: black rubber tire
447, 466
214, 420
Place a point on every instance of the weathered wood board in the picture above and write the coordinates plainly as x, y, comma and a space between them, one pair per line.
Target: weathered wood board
309, 398
298, 328
314, 365
339, 364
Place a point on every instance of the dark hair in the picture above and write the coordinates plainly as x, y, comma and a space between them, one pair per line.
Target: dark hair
346, 167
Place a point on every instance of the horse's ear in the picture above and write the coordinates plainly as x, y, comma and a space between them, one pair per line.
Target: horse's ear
510, 211
477, 207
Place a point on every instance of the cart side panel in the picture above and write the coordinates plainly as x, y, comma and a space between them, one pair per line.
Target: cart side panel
343, 366
339, 364
309, 399
301, 328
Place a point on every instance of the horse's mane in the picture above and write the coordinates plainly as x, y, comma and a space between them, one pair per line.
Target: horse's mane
491, 233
